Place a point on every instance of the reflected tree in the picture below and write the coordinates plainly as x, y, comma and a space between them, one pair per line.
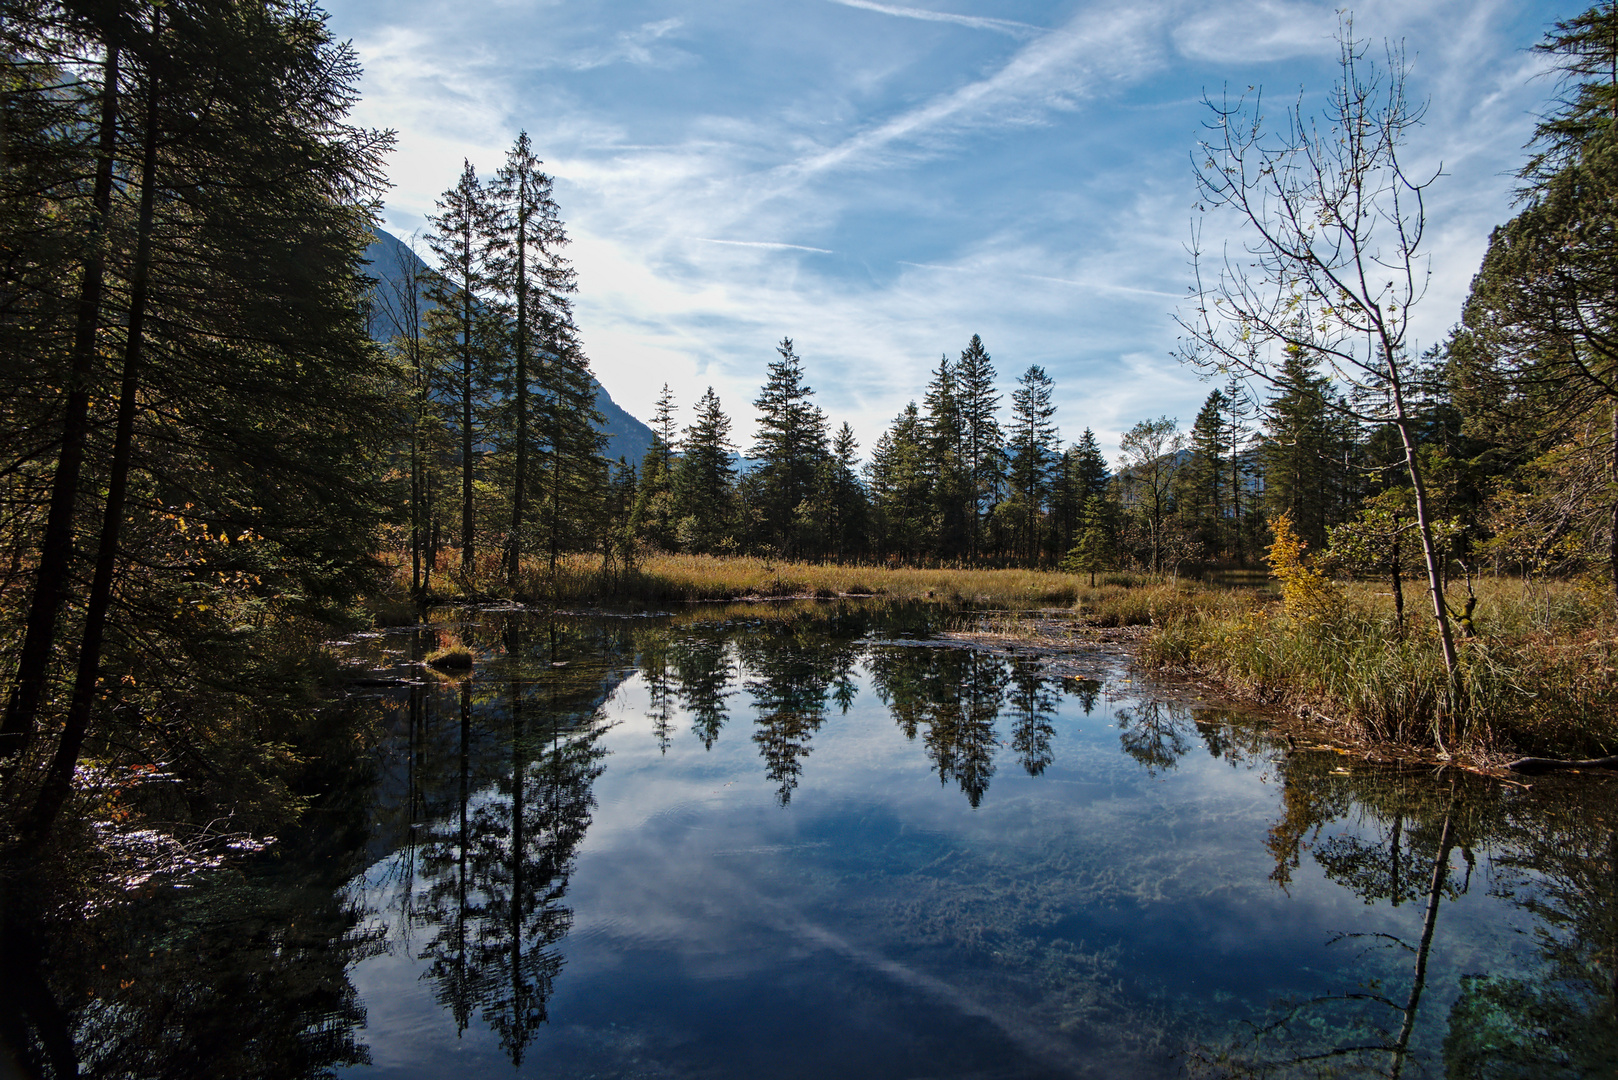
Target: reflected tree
1393, 840
1154, 734
951, 697
702, 672
1032, 706
497, 877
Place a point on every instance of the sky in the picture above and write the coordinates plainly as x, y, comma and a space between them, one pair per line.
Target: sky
880, 181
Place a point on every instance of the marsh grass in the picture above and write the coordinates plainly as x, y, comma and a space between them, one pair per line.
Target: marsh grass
669, 579
452, 654
1538, 677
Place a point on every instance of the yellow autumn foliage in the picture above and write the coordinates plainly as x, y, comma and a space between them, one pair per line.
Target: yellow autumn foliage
1307, 594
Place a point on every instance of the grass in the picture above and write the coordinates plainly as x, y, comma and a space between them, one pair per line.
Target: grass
670, 579
452, 654
1537, 678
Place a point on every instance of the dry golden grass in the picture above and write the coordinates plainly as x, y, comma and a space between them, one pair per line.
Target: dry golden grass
1537, 677
663, 578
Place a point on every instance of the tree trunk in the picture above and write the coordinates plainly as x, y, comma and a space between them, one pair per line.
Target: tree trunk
466, 437
520, 480
59, 778
56, 550
1612, 538
1435, 577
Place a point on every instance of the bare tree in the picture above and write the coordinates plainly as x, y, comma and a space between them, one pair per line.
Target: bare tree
1334, 264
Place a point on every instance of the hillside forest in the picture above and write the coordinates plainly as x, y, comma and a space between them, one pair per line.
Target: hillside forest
221, 429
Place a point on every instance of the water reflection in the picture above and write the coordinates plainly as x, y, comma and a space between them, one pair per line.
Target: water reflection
489, 879
1019, 875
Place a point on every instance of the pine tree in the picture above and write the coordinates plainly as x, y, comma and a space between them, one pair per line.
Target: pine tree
847, 525
463, 327
949, 482
790, 446
1032, 439
983, 453
704, 479
527, 271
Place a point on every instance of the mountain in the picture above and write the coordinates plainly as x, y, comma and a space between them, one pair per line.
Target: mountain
393, 264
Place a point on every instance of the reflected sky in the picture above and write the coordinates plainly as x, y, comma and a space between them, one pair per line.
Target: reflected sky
802, 848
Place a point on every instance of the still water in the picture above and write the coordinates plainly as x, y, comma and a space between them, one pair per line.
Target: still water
823, 842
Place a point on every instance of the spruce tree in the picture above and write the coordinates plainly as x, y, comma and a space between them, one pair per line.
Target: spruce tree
464, 327
1305, 443
949, 482
527, 271
249, 401
1202, 491
1032, 440
900, 496
790, 446
849, 508
704, 479
1094, 478
983, 452
655, 518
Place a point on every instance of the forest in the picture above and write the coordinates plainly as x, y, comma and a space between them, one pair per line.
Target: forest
224, 435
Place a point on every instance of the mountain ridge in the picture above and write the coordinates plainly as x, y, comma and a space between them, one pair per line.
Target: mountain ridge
388, 259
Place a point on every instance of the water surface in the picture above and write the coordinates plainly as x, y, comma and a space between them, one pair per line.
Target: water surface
812, 842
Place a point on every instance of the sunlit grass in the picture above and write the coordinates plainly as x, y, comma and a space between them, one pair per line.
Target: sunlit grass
1537, 677
664, 579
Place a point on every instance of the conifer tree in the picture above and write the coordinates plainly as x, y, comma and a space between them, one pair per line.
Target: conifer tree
704, 479
790, 446
899, 485
1201, 498
463, 326
846, 527
1305, 472
247, 394
1094, 478
983, 453
1031, 440
527, 271
655, 517
51, 578
949, 483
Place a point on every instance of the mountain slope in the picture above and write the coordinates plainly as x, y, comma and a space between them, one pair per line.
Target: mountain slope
391, 262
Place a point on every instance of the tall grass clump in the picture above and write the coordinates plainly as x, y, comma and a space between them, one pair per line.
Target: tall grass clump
1537, 677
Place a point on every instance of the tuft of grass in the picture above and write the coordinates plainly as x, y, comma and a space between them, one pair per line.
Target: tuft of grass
1538, 677
452, 654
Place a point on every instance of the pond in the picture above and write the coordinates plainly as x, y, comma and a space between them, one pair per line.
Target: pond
815, 841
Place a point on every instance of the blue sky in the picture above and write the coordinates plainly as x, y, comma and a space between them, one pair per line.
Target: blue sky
879, 181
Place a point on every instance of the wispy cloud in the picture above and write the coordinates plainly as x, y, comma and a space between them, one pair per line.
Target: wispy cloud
976, 22
1023, 183
771, 245
631, 47
1052, 72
